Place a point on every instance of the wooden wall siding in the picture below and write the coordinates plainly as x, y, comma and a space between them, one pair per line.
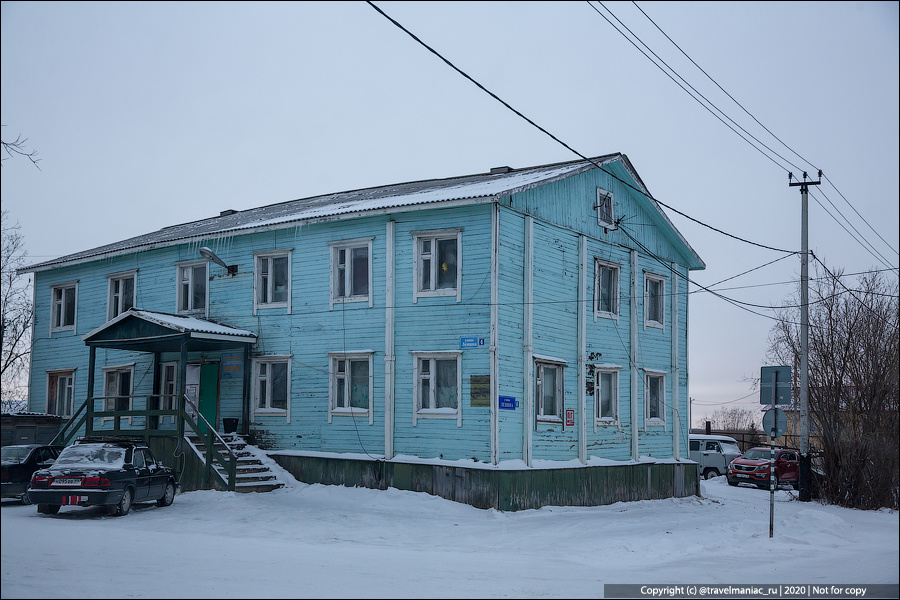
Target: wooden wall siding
555, 317
312, 329
436, 324
508, 490
607, 341
570, 204
510, 316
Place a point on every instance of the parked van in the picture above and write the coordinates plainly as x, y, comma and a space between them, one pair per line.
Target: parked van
713, 453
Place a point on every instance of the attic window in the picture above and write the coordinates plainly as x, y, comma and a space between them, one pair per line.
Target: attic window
605, 215
498, 170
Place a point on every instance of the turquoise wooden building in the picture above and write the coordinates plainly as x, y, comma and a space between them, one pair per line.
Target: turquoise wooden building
508, 339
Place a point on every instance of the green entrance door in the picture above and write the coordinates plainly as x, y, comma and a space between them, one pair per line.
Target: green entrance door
203, 389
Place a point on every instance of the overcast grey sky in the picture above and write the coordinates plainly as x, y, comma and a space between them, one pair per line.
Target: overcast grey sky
151, 114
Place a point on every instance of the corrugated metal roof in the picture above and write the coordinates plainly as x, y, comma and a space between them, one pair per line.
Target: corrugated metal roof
178, 323
431, 191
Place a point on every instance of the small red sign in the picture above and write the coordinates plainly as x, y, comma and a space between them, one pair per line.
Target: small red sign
570, 417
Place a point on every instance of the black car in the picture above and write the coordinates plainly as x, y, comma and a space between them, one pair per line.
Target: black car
19, 462
98, 472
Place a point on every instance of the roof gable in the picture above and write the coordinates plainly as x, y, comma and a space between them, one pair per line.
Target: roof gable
403, 196
151, 331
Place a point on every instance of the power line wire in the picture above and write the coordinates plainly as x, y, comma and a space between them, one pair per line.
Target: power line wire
556, 139
814, 168
759, 123
859, 215
692, 88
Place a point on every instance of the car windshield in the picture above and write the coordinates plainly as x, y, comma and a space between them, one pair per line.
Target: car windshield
730, 448
92, 455
758, 453
14, 455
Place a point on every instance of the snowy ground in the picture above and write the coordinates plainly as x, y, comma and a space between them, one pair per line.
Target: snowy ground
315, 541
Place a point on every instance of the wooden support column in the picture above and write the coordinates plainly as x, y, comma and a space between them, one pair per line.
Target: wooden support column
245, 409
89, 422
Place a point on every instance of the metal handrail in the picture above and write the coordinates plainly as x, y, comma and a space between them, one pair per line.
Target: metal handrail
84, 413
211, 452
77, 426
208, 426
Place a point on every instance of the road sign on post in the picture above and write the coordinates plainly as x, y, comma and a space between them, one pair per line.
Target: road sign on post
774, 423
775, 385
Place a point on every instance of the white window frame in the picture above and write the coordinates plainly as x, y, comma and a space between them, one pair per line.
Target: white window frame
168, 400
659, 320
661, 376
106, 399
268, 411
348, 246
111, 312
616, 294
435, 413
179, 288
540, 363
599, 371
70, 386
268, 255
334, 375
57, 308
434, 236
605, 197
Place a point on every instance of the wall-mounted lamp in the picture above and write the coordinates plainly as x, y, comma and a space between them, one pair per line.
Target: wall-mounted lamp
210, 255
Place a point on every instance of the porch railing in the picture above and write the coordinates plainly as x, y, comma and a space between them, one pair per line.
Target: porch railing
146, 423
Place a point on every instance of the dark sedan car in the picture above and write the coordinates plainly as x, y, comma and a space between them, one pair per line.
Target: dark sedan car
19, 462
108, 473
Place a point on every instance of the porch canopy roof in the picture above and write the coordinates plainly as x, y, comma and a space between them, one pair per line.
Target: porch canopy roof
150, 331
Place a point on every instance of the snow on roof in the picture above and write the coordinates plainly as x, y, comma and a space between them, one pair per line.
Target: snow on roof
177, 322
183, 323
485, 185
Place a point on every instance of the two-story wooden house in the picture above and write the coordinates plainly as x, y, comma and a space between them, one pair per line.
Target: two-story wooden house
509, 339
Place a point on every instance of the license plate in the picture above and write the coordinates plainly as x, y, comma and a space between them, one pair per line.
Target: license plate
742, 476
67, 481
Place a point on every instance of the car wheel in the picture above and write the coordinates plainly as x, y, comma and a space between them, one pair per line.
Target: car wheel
48, 509
169, 496
25, 499
775, 475
710, 473
734, 483
124, 505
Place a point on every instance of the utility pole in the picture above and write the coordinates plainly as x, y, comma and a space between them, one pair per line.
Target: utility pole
805, 459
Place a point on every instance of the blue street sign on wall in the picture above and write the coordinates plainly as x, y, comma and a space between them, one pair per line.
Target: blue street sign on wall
508, 403
468, 342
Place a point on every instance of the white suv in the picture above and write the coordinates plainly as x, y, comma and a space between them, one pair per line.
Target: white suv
713, 453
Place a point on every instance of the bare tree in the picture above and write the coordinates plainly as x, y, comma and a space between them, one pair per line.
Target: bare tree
18, 148
17, 316
733, 419
854, 359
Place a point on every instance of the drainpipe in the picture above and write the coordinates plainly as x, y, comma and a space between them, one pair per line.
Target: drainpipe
495, 367
676, 420
528, 404
389, 358
582, 359
634, 357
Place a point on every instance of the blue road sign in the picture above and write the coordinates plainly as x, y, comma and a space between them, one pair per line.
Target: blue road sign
780, 377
